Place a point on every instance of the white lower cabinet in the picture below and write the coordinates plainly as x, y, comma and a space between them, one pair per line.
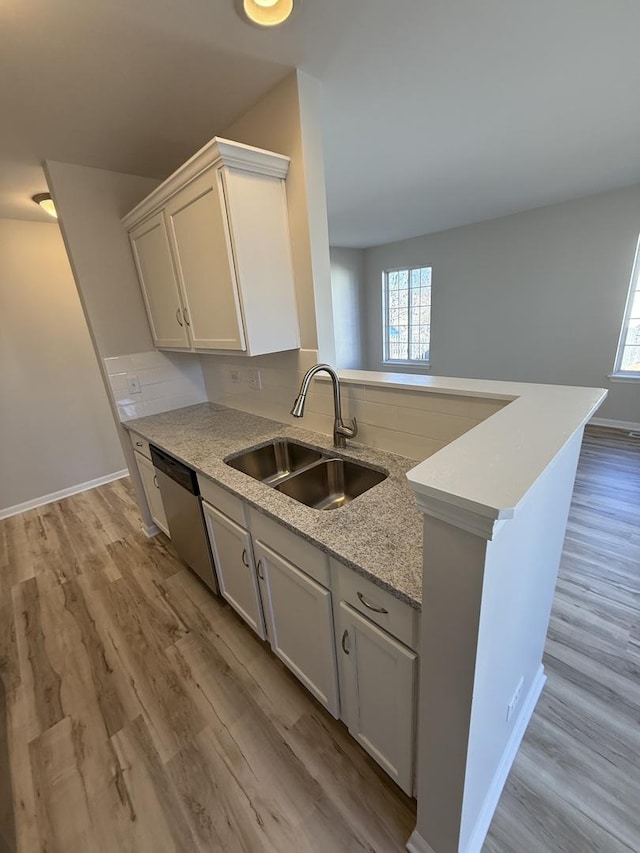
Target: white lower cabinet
152, 491
300, 624
233, 555
378, 693
282, 586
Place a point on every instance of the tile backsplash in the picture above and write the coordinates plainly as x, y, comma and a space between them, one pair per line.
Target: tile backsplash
146, 383
227, 380
412, 423
415, 424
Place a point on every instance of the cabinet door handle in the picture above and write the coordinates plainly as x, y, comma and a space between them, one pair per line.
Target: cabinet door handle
345, 637
260, 575
371, 606
178, 317
155, 482
245, 558
186, 316
139, 444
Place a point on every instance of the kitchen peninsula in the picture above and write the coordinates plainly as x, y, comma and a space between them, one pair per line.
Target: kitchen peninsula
495, 503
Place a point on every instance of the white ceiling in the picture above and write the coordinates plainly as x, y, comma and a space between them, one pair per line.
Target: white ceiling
436, 112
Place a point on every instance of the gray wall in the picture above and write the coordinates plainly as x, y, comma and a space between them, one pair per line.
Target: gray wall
347, 288
287, 120
90, 203
533, 297
56, 429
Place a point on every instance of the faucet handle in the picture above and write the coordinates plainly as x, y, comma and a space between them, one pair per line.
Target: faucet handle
348, 430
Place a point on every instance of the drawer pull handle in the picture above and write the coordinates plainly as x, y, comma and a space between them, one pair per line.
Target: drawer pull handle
371, 606
139, 444
345, 637
245, 558
260, 575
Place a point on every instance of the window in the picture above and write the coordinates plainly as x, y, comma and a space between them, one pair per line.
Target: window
407, 314
628, 357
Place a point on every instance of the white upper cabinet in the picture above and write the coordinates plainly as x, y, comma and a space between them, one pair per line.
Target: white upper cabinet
213, 253
258, 219
152, 255
204, 261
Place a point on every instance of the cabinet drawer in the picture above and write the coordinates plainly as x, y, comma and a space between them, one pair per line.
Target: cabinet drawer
222, 500
378, 605
297, 550
140, 445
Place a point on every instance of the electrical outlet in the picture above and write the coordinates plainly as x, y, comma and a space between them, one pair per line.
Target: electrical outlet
235, 376
133, 384
253, 378
515, 699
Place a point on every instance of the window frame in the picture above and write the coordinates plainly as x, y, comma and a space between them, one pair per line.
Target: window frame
409, 362
634, 288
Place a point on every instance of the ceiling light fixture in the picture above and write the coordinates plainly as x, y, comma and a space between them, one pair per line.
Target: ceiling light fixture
46, 203
267, 13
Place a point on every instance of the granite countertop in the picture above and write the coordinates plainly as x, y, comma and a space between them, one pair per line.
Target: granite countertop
378, 535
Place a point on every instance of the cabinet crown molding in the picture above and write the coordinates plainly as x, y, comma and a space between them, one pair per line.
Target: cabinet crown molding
217, 152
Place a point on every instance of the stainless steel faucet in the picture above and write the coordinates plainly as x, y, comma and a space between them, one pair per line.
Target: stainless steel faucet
341, 432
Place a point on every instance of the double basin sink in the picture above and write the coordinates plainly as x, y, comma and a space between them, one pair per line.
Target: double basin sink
318, 480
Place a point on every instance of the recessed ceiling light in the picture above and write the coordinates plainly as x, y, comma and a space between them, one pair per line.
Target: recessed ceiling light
46, 203
266, 13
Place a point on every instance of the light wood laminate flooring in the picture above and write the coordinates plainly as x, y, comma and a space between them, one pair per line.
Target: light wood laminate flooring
143, 715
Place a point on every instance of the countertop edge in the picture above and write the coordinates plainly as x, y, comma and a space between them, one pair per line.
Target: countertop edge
487, 471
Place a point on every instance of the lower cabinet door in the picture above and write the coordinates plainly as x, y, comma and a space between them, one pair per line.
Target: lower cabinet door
300, 618
152, 491
233, 554
378, 691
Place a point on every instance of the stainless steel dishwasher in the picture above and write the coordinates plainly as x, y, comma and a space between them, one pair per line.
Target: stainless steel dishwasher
181, 498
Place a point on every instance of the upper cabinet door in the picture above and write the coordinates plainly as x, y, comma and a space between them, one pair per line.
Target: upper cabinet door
200, 236
152, 254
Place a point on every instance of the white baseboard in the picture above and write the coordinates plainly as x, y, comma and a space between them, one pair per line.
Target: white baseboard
417, 844
63, 493
627, 426
150, 530
477, 837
